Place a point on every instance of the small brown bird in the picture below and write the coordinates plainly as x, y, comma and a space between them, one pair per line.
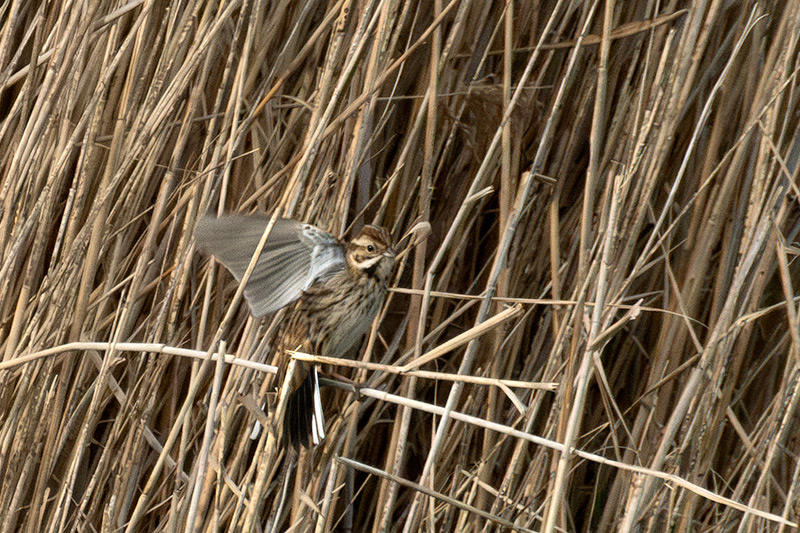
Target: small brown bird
335, 290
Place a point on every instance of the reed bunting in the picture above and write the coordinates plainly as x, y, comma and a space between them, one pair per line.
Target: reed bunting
334, 291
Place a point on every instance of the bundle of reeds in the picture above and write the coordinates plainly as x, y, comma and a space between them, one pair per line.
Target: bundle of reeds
600, 334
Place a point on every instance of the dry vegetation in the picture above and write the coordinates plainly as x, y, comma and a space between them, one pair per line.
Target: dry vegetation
612, 189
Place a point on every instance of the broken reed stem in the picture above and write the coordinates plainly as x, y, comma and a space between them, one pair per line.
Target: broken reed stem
464, 338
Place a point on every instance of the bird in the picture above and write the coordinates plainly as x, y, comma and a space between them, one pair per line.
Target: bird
332, 289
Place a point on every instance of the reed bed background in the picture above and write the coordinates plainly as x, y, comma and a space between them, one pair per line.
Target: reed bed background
612, 189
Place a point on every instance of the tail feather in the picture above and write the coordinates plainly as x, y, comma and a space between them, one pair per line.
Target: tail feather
317, 419
303, 421
255, 431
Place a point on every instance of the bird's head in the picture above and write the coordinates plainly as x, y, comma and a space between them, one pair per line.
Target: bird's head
371, 252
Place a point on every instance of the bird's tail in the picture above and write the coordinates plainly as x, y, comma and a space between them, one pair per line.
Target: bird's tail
303, 422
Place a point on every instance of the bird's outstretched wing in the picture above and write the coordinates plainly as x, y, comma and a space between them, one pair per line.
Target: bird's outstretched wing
293, 258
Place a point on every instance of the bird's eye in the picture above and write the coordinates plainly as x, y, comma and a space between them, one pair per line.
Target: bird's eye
371, 248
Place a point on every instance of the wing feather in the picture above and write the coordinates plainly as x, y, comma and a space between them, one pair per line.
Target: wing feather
294, 257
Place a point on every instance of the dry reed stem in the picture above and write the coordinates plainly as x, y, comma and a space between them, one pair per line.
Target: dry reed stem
642, 364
